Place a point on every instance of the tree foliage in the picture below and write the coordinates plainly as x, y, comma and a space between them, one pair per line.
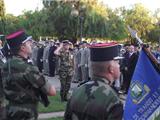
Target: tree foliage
11, 23
139, 19
2, 16
89, 18
93, 19
154, 34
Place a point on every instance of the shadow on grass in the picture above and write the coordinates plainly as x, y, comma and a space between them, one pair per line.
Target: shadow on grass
55, 105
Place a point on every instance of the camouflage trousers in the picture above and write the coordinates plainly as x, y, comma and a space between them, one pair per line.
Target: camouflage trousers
65, 81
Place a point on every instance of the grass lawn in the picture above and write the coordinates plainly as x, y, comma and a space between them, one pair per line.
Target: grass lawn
59, 118
54, 106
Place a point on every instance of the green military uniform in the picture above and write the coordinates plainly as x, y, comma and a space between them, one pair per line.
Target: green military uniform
2, 98
65, 73
21, 82
94, 100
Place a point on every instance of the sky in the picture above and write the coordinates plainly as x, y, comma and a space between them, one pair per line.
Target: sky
150, 4
16, 7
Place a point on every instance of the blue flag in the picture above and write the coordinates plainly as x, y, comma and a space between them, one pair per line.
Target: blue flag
143, 99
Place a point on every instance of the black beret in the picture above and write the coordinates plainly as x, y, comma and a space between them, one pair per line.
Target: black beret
17, 38
105, 52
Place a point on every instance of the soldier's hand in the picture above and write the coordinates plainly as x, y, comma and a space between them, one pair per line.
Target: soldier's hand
61, 45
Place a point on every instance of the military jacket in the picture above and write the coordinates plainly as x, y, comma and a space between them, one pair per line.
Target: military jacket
66, 62
2, 61
2, 100
21, 82
94, 100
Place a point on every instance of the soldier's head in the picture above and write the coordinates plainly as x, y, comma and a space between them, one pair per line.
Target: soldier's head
105, 60
83, 44
158, 48
131, 49
20, 43
66, 44
2, 39
0, 43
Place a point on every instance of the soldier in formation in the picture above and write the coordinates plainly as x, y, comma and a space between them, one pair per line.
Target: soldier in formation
65, 68
23, 84
96, 99
2, 98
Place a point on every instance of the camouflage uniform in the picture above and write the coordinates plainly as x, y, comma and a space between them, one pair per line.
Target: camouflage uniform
94, 100
2, 98
65, 73
21, 83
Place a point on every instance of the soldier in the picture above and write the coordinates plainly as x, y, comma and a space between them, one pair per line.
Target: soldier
76, 59
157, 53
2, 56
96, 99
84, 51
66, 68
22, 82
45, 59
52, 60
2, 98
40, 57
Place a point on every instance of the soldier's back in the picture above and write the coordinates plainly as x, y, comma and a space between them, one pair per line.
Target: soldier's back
94, 100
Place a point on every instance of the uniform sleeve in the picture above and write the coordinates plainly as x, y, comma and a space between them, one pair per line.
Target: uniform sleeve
115, 113
33, 76
46, 87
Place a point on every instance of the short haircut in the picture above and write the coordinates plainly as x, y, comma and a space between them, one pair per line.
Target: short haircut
100, 67
15, 50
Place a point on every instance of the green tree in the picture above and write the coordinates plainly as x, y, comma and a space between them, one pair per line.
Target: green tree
11, 23
60, 21
2, 16
95, 19
154, 33
92, 18
116, 26
89, 18
34, 23
139, 18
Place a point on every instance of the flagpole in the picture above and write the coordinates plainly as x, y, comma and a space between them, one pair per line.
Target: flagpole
144, 47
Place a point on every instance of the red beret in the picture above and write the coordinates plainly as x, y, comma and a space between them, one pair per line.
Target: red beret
17, 38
